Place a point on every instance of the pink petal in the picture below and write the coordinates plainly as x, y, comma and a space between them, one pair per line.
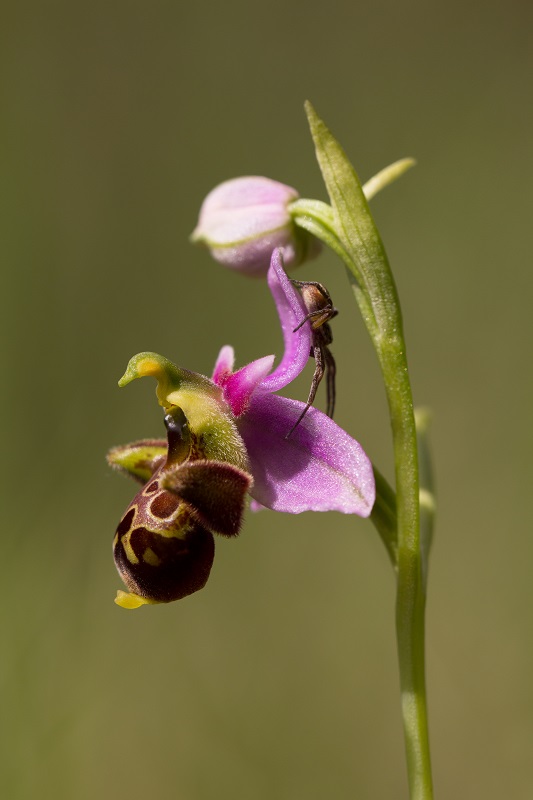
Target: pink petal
231, 226
244, 219
319, 468
224, 365
252, 257
291, 311
246, 191
239, 386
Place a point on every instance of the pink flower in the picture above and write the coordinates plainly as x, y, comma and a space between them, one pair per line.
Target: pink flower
242, 221
227, 437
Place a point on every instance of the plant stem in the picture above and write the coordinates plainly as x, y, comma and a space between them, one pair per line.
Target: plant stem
410, 587
397, 519
384, 324
348, 227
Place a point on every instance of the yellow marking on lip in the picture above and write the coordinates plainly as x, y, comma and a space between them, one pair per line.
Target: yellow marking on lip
128, 549
149, 557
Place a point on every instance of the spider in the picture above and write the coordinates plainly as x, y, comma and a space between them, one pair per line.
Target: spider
320, 310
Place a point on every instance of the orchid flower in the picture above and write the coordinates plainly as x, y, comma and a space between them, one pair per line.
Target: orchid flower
228, 436
244, 219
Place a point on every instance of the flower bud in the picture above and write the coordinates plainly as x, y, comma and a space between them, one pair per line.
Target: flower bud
243, 220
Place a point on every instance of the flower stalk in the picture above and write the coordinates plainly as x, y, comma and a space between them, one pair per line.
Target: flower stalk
348, 227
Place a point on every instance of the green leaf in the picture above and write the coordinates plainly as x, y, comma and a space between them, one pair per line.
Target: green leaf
355, 225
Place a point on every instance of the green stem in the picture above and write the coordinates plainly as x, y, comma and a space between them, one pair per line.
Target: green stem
410, 591
410, 586
396, 518
350, 222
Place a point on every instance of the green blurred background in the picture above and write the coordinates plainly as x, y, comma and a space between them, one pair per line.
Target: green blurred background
279, 679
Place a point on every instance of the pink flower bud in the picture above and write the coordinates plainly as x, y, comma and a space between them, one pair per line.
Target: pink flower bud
243, 220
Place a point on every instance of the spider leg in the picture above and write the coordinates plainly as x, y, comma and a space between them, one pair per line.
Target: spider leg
317, 318
318, 353
331, 369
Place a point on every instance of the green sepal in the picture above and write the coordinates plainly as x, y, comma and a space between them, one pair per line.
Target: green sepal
140, 459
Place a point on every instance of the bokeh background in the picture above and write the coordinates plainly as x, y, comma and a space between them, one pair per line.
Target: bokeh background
279, 679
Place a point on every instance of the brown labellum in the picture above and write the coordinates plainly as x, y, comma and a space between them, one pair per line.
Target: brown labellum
164, 546
160, 551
